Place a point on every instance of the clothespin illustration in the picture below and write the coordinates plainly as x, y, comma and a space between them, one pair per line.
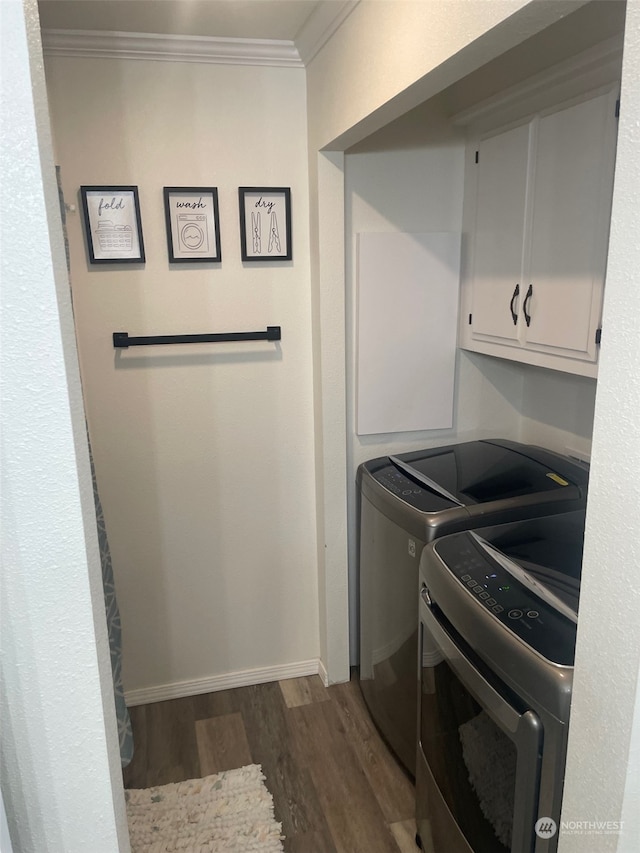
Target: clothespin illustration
255, 229
274, 237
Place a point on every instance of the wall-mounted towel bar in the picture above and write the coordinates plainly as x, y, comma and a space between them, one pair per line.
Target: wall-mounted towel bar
122, 339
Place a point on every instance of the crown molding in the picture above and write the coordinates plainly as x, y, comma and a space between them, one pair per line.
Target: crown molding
323, 22
326, 18
170, 48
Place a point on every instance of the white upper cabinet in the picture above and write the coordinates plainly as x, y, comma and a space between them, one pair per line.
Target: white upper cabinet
502, 167
540, 199
572, 185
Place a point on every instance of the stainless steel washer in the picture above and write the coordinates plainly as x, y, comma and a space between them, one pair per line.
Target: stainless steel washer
408, 500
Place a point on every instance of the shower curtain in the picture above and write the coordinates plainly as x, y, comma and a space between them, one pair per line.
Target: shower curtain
125, 734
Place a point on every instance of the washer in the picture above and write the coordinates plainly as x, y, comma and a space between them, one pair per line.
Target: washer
498, 617
409, 500
192, 232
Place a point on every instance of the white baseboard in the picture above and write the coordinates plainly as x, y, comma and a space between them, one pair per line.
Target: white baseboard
322, 672
244, 678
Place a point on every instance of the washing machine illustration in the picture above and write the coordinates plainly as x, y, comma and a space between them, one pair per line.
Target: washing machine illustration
193, 235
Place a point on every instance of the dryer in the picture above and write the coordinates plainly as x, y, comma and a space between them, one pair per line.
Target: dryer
409, 500
498, 618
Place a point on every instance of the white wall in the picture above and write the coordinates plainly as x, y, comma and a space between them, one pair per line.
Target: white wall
61, 780
204, 454
326, 178
409, 177
557, 410
392, 55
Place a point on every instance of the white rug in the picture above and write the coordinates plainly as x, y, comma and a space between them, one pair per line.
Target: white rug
231, 812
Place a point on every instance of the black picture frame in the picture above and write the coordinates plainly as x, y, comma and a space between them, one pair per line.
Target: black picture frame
112, 224
265, 223
192, 219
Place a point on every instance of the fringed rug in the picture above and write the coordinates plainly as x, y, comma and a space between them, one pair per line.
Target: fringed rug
231, 812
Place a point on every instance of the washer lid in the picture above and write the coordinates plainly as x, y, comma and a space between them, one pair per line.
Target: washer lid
478, 472
411, 488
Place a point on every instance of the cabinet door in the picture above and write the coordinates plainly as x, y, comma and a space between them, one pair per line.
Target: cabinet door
499, 228
569, 227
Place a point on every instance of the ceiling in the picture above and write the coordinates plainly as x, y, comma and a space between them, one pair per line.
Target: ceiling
243, 19
306, 24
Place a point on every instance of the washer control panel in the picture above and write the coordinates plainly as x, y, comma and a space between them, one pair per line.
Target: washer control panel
534, 620
410, 491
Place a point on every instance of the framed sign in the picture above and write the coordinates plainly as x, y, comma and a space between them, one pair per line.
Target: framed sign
265, 223
193, 224
112, 224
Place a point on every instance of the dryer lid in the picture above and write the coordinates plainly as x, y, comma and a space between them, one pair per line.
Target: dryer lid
557, 591
549, 549
526, 574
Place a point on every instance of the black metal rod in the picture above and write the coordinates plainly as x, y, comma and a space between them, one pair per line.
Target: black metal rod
122, 339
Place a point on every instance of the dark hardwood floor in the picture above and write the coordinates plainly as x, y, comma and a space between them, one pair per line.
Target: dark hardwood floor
335, 785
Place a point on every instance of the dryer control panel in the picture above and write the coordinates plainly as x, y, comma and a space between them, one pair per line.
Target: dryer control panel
536, 621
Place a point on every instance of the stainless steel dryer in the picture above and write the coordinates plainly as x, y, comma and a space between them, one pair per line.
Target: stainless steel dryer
498, 616
408, 500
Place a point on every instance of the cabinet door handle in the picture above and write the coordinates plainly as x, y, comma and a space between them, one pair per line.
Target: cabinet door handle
514, 315
527, 299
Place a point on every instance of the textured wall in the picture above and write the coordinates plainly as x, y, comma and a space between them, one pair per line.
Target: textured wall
58, 762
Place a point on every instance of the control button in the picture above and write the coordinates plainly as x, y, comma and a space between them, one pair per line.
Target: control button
472, 582
491, 602
406, 492
515, 614
477, 588
484, 595
532, 614
466, 577
498, 608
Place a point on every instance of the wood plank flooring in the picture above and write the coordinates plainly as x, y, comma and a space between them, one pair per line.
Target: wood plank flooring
336, 787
